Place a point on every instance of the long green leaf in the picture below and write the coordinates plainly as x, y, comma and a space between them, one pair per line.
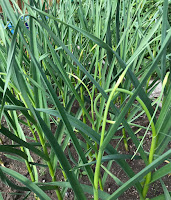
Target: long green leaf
166, 192
140, 175
14, 138
32, 186
163, 171
13, 151
88, 189
160, 197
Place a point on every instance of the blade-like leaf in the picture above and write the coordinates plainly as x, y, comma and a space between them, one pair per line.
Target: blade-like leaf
140, 175
11, 150
11, 136
163, 171
166, 192
32, 186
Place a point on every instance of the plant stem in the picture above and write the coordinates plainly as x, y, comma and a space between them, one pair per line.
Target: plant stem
123, 131
125, 139
51, 171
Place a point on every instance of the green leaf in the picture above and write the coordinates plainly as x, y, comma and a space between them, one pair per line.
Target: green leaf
38, 164
164, 29
9, 69
163, 126
1, 197
11, 136
109, 158
163, 171
160, 197
166, 192
88, 189
32, 186
11, 150
140, 175
118, 182
15, 158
